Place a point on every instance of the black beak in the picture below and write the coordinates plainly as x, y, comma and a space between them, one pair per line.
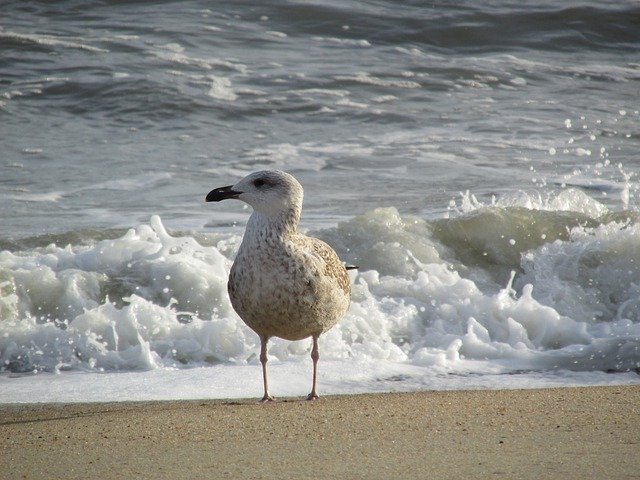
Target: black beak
222, 193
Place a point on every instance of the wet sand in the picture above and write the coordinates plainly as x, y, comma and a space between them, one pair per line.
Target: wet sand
591, 432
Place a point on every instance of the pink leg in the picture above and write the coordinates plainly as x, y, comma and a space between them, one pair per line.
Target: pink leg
263, 360
315, 356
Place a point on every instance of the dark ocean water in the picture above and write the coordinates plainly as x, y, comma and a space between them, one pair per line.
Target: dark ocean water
114, 111
484, 137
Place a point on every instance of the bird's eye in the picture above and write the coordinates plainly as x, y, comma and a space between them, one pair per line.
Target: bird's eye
259, 182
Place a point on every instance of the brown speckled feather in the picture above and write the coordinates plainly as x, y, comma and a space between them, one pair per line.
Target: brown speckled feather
333, 267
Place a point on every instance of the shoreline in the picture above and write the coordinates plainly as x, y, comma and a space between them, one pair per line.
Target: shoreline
566, 432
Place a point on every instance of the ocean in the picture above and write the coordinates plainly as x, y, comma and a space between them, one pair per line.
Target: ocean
478, 161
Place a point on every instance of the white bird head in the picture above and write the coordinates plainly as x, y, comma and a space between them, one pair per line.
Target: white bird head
270, 192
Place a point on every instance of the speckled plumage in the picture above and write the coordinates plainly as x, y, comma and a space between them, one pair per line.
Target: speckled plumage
291, 288
283, 283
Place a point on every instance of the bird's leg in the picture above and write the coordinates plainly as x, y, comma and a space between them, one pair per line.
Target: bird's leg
263, 360
315, 356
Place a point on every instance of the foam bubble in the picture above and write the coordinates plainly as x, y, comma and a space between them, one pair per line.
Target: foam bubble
51, 40
367, 79
221, 89
344, 42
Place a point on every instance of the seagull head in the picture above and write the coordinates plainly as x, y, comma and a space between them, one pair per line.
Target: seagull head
269, 192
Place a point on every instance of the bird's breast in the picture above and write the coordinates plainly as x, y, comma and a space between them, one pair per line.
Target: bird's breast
280, 292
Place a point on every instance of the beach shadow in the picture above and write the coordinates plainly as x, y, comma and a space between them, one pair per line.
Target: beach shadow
52, 418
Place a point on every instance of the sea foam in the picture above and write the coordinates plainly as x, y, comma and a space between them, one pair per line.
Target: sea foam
450, 296
140, 301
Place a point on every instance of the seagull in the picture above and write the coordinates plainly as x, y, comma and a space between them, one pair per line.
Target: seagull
283, 283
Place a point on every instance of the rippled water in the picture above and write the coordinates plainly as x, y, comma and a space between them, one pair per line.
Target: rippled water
498, 142
114, 111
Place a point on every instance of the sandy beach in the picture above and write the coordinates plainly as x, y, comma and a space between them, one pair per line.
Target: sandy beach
591, 432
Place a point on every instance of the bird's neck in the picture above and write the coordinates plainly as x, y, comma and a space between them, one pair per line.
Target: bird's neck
269, 229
